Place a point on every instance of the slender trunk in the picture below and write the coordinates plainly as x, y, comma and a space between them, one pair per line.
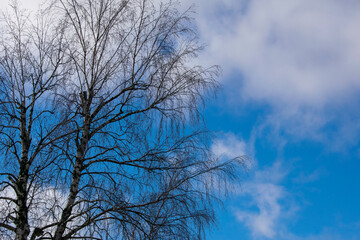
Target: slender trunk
78, 167
21, 221
71, 198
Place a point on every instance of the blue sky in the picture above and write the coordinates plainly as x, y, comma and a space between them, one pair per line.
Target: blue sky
290, 100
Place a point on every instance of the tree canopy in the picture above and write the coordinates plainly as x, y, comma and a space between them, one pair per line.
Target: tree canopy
101, 130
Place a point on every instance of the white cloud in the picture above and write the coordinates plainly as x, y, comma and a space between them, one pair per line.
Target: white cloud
266, 197
300, 57
301, 51
229, 146
271, 201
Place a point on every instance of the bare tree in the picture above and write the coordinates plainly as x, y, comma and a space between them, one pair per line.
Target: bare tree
101, 125
31, 68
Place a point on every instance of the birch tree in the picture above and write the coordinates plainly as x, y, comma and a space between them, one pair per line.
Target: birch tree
101, 126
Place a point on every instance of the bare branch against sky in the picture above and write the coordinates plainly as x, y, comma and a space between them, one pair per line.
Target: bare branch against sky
101, 131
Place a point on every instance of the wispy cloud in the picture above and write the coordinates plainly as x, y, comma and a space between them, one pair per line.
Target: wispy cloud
266, 197
304, 178
272, 202
229, 146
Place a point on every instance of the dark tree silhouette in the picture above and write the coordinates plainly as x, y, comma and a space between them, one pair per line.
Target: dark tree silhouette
102, 135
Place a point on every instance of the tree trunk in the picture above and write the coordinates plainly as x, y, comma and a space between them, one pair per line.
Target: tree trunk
74, 187
71, 199
21, 222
